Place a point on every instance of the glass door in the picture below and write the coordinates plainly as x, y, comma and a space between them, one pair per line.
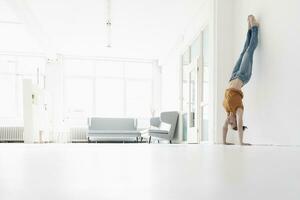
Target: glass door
192, 104
195, 90
204, 84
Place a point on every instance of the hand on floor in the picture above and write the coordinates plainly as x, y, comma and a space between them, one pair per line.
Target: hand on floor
228, 143
246, 144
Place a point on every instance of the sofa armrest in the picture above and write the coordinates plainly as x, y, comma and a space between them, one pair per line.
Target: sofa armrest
158, 131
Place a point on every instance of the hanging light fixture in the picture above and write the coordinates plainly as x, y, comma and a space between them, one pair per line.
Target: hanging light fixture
108, 24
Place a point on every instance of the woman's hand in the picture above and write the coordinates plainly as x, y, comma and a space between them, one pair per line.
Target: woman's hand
246, 144
228, 143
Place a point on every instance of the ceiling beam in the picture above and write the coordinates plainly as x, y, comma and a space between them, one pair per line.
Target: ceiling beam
26, 17
9, 22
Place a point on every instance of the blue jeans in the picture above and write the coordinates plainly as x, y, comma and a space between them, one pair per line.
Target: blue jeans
243, 67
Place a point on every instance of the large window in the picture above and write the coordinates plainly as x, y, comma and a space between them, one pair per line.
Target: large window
108, 89
79, 96
8, 96
91, 88
109, 97
13, 69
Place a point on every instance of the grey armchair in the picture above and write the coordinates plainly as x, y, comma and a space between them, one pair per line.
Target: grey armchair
166, 126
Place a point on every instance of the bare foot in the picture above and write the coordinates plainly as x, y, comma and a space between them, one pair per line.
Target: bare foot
252, 21
245, 144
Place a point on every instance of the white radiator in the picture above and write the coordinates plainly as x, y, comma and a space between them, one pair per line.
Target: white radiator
15, 134
78, 134
11, 134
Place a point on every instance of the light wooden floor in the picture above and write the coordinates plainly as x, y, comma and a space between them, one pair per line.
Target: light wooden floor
142, 172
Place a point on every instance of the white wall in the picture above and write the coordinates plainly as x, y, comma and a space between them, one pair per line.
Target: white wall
170, 87
54, 86
170, 82
272, 96
223, 56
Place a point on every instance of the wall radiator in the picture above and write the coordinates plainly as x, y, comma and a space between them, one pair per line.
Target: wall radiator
15, 134
11, 134
78, 134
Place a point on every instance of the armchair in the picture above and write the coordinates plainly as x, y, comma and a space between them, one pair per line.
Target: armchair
163, 127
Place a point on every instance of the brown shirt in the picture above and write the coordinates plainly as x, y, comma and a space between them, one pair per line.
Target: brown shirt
233, 100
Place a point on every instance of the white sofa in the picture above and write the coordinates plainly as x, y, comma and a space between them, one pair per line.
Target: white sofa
112, 128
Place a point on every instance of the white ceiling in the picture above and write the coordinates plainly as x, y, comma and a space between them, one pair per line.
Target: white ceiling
6, 14
140, 28
14, 35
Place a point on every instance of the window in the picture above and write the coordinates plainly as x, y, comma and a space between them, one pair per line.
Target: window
7, 65
109, 89
79, 68
8, 87
186, 57
31, 68
138, 98
79, 97
8, 96
196, 48
138, 70
91, 88
109, 69
13, 69
109, 97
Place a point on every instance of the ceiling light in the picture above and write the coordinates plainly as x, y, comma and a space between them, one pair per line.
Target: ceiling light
108, 24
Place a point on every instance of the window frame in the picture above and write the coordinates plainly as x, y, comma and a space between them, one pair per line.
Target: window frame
17, 117
123, 78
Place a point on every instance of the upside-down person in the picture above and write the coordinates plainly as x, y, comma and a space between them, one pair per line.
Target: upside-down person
241, 75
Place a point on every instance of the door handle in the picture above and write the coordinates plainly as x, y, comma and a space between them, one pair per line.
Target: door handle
192, 119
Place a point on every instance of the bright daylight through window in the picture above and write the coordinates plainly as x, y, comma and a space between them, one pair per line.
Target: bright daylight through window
91, 88
108, 89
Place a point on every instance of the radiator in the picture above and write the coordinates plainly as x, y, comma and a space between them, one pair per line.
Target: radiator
11, 134
15, 134
78, 134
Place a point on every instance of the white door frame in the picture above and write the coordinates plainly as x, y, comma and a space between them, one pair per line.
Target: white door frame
205, 25
199, 94
193, 115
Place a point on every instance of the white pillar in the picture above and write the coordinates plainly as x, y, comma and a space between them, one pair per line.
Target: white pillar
223, 61
28, 134
54, 86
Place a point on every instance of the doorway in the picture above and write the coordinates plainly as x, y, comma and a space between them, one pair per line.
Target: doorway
195, 90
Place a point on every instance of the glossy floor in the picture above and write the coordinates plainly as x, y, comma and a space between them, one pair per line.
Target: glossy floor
142, 171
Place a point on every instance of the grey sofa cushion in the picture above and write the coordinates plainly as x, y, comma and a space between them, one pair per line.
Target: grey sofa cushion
155, 121
113, 132
110, 124
113, 128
